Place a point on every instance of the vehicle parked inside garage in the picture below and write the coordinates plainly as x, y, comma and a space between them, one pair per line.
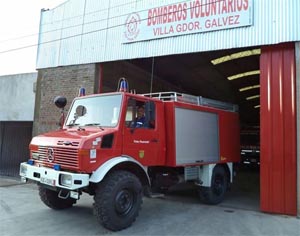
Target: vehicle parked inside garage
250, 147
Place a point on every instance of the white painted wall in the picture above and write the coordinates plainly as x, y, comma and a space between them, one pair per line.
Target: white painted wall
17, 97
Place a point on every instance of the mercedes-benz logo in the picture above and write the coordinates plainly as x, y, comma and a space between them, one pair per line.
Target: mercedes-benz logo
50, 155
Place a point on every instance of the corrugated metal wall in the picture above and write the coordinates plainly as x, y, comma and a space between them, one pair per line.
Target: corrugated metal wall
14, 146
278, 169
89, 31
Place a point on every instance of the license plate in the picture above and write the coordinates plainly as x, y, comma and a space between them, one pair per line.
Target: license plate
48, 181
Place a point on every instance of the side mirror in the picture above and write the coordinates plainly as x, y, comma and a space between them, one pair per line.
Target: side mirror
80, 110
150, 114
60, 101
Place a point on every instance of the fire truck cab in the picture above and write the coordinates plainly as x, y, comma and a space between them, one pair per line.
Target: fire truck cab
103, 150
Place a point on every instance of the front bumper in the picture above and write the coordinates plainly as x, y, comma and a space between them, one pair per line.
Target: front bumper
54, 178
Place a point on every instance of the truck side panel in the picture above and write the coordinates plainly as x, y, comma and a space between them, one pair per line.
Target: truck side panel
229, 137
197, 136
170, 134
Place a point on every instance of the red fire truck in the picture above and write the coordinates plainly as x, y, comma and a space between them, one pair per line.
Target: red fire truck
100, 150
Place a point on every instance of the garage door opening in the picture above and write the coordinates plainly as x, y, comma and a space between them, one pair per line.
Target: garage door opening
227, 75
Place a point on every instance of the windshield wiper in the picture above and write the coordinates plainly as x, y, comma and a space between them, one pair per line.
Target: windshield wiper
94, 124
71, 125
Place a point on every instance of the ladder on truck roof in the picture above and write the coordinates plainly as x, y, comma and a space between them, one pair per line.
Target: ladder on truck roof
198, 100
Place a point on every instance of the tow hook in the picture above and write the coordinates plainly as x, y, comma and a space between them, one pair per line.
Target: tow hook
63, 194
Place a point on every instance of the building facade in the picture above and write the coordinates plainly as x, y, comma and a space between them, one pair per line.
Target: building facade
93, 43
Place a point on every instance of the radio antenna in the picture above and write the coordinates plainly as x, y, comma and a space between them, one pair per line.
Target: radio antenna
152, 69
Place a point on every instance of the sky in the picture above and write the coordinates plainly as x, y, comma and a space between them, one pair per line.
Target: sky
18, 20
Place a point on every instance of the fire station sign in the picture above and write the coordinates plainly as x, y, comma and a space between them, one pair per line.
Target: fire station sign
187, 17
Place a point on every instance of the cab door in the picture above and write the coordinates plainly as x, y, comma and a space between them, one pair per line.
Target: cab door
142, 142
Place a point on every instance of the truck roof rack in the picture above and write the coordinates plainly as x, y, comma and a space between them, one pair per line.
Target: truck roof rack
197, 100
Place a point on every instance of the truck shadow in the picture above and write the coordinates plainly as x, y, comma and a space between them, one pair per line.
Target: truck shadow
244, 192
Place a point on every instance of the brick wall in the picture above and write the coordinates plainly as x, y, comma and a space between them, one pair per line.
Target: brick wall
64, 81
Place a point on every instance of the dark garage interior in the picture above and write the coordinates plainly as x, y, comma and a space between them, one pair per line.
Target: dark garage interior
195, 74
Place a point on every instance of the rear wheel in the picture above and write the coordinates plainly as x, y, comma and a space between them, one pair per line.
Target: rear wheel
118, 200
216, 192
50, 198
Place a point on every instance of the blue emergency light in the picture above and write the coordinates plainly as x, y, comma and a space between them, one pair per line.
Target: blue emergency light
123, 85
56, 167
81, 92
30, 162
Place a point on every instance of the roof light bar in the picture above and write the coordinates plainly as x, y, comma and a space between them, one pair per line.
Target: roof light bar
248, 73
252, 97
236, 56
249, 88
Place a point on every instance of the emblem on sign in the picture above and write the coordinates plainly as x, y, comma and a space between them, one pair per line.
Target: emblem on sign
50, 155
132, 26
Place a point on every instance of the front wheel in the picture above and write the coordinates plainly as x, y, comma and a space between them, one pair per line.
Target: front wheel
118, 200
216, 192
50, 198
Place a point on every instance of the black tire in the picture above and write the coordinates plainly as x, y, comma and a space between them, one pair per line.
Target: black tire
50, 198
215, 194
118, 200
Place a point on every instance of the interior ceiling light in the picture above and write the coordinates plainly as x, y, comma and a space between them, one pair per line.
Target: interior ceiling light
248, 73
249, 88
236, 56
252, 97
257, 106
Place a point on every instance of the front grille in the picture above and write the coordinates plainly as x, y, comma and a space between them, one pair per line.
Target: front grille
65, 156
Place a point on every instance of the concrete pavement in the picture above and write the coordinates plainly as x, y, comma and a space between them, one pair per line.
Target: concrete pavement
22, 213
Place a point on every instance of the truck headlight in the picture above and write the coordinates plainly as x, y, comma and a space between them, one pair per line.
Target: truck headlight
66, 180
23, 170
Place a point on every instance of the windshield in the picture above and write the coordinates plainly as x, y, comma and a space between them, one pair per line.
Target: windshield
95, 111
